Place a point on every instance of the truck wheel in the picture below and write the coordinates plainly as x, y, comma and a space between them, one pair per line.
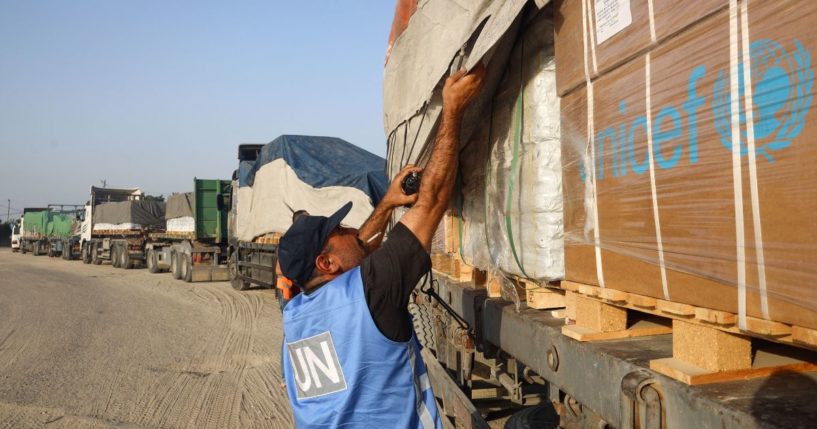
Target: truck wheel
152, 261
36, 249
86, 255
539, 416
115, 262
23, 248
186, 268
125, 261
95, 259
235, 282
174, 265
423, 322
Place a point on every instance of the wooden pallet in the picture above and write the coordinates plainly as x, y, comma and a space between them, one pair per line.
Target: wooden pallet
707, 346
270, 238
118, 232
173, 235
453, 267
721, 320
536, 295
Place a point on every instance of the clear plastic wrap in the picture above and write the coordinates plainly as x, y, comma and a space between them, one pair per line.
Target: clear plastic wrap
507, 209
688, 159
511, 190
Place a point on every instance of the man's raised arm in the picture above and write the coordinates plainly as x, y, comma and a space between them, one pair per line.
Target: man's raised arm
437, 183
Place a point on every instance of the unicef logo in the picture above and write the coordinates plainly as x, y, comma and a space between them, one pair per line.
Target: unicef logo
781, 98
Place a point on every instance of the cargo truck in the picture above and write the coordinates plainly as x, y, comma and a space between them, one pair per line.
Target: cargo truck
117, 226
250, 263
15, 236
291, 173
595, 269
194, 244
33, 226
64, 224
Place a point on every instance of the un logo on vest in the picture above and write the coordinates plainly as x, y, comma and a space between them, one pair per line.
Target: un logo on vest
781, 97
316, 367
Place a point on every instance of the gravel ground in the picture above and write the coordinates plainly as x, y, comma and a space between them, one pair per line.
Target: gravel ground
93, 346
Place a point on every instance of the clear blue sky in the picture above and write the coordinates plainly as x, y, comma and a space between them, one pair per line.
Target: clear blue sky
152, 93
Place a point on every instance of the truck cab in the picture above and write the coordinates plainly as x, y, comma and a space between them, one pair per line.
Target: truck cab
15, 235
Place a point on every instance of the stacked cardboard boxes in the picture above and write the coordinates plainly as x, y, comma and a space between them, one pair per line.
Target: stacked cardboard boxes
688, 151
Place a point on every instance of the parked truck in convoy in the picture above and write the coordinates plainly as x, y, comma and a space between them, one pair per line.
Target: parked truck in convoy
15, 235
117, 226
33, 231
64, 224
49, 231
291, 173
602, 264
194, 244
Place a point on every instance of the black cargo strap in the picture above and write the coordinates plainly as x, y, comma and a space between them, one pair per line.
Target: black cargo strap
429, 289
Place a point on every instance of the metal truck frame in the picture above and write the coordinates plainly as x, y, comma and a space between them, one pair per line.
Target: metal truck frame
250, 263
200, 255
498, 353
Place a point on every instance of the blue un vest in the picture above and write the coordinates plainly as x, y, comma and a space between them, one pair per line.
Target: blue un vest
342, 372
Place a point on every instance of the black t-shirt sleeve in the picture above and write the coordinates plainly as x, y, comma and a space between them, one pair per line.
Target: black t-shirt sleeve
390, 274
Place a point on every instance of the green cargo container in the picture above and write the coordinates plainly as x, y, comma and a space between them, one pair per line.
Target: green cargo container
211, 200
35, 223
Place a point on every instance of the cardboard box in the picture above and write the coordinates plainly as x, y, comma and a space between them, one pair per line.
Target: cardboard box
695, 192
616, 32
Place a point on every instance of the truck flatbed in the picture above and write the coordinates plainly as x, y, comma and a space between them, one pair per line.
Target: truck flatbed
612, 380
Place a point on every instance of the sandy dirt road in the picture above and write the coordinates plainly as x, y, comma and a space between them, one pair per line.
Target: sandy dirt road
98, 347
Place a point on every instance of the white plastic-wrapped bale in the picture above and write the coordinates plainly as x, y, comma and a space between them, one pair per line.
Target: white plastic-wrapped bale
511, 179
509, 193
179, 213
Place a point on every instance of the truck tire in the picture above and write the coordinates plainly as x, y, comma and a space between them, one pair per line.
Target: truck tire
536, 417
35, 248
237, 283
423, 322
86, 254
174, 265
125, 260
115, 262
187, 268
152, 261
23, 248
95, 259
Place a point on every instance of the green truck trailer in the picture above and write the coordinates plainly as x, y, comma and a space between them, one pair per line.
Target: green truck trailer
194, 244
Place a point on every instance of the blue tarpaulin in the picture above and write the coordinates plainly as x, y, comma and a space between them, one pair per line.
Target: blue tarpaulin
322, 162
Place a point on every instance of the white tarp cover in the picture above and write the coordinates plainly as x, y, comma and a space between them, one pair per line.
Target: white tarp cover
510, 173
312, 173
277, 192
422, 54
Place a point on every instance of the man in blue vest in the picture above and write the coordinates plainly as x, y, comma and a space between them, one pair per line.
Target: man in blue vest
351, 357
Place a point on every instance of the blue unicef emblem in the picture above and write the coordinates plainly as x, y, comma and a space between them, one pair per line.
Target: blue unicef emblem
781, 97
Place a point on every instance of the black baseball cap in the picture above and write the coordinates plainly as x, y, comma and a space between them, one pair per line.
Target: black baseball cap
303, 242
